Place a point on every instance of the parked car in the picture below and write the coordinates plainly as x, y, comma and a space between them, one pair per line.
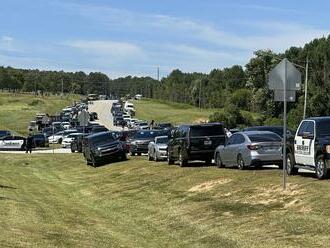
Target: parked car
250, 148
275, 129
310, 148
12, 143
67, 140
157, 149
164, 126
99, 129
138, 144
195, 142
76, 144
101, 147
58, 137
4, 133
142, 125
40, 140
66, 125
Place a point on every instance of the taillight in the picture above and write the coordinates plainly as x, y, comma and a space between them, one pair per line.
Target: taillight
253, 147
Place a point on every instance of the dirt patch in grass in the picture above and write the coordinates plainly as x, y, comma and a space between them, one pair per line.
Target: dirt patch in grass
206, 186
291, 198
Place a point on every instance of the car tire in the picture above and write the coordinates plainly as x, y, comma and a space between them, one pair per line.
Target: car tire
320, 168
208, 161
73, 151
240, 162
170, 161
182, 162
139, 153
290, 165
218, 161
132, 153
60, 141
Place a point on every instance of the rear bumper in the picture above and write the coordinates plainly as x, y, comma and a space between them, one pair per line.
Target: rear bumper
264, 159
200, 155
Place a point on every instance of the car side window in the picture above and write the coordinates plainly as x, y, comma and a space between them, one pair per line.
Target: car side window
302, 128
240, 139
232, 139
310, 128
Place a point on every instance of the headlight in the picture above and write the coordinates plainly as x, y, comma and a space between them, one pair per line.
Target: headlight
327, 148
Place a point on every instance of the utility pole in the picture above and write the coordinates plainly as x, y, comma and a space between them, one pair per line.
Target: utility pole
200, 93
62, 87
306, 87
157, 73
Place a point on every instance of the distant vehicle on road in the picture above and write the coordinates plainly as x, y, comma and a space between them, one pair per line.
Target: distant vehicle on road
101, 147
12, 143
66, 142
195, 142
92, 97
99, 129
157, 149
58, 137
250, 148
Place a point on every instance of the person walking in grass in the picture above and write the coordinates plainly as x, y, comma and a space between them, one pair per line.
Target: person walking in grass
29, 143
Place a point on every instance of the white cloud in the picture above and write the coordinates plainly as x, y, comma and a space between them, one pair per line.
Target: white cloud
108, 48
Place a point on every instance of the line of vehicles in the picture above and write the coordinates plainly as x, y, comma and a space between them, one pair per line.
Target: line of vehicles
307, 148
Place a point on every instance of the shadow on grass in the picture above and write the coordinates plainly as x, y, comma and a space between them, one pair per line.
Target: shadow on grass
6, 187
109, 162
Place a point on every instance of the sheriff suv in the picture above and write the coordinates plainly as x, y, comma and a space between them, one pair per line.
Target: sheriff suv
195, 142
310, 148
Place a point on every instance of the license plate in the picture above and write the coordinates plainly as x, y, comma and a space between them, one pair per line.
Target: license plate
207, 142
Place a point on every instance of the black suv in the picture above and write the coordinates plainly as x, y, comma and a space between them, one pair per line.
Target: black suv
195, 142
101, 147
139, 142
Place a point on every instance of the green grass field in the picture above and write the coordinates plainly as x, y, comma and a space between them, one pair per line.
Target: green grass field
17, 110
57, 201
170, 112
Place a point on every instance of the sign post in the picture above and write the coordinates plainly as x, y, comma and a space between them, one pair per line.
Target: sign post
285, 80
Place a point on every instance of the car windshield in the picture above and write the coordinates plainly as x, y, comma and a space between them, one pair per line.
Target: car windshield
207, 130
101, 139
145, 135
268, 137
163, 140
323, 128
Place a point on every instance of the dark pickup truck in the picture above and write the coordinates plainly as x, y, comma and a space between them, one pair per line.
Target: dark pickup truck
310, 148
102, 147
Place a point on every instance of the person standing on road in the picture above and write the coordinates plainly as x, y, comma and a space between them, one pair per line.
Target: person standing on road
152, 125
29, 143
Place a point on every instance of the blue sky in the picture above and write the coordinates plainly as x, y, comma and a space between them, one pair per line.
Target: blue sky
134, 37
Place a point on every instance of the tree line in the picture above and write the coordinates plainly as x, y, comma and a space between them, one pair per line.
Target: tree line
238, 91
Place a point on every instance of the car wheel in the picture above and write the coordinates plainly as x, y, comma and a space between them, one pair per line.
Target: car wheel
320, 168
240, 162
132, 153
72, 150
170, 161
183, 162
218, 161
290, 165
139, 153
60, 141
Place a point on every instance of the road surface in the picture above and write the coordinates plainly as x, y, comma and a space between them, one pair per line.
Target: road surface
103, 110
41, 151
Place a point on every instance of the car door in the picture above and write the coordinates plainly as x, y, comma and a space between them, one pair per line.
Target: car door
235, 149
304, 143
226, 151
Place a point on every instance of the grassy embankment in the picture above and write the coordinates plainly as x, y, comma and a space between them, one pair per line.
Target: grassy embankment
59, 201
17, 110
176, 113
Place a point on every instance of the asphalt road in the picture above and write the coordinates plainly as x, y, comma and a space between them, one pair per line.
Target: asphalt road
42, 151
103, 110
